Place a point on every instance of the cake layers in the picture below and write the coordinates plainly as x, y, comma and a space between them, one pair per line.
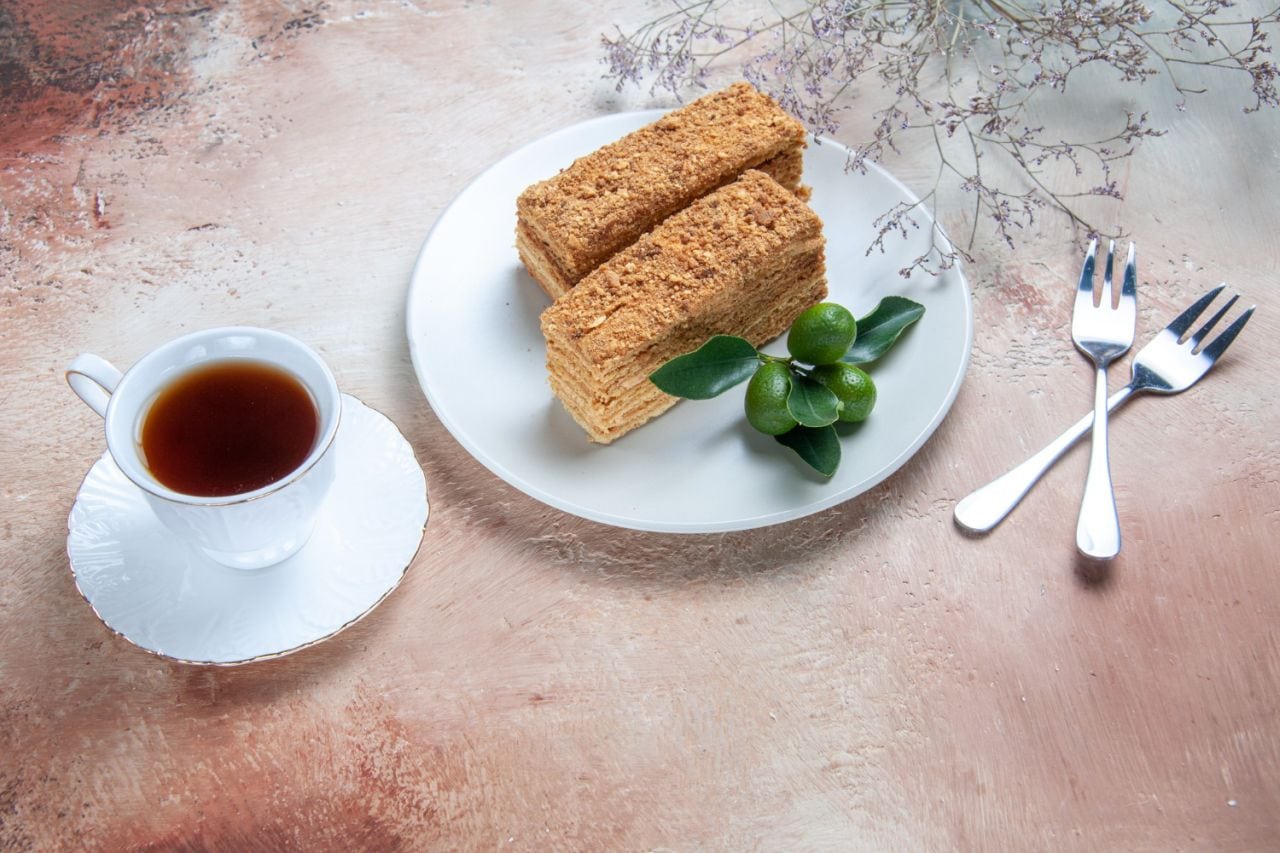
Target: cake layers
570, 224
744, 260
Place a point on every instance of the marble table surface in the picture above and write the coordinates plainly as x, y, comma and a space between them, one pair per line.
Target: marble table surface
863, 678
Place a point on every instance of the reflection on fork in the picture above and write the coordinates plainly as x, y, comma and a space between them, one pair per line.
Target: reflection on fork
1172, 362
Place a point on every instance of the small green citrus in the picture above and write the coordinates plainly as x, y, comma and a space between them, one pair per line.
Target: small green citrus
766, 400
822, 334
852, 386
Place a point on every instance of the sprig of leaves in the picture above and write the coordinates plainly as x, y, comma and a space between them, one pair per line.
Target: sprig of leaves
977, 81
811, 401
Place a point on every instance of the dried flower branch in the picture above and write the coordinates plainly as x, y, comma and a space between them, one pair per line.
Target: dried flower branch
971, 73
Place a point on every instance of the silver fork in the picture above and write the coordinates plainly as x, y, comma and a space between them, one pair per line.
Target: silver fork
1104, 333
1166, 365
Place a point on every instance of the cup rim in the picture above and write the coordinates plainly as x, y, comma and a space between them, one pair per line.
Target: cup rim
134, 469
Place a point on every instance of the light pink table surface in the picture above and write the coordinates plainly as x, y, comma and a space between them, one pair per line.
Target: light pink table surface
865, 678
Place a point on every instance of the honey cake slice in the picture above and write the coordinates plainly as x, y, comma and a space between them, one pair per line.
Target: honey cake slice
568, 225
744, 260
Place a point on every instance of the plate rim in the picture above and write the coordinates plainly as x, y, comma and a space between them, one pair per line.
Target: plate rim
891, 466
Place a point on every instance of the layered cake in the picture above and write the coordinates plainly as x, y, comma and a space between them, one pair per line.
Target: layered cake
570, 224
744, 260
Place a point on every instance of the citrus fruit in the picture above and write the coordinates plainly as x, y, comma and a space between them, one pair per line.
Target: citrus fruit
852, 386
766, 401
822, 334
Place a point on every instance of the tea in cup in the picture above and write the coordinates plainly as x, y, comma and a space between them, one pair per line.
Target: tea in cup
228, 433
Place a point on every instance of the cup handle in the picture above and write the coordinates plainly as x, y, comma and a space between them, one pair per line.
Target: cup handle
93, 379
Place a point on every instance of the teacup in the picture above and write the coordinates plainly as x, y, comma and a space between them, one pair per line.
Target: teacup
251, 529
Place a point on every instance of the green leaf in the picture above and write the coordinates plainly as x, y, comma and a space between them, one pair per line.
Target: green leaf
719, 364
879, 330
812, 403
818, 446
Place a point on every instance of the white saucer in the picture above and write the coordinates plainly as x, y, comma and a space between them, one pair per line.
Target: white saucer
168, 598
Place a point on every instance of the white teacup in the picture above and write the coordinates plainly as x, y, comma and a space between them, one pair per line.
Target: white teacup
251, 530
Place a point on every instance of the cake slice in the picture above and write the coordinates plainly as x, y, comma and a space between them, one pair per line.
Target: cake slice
568, 225
744, 260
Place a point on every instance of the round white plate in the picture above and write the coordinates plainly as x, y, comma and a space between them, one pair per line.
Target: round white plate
165, 596
480, 357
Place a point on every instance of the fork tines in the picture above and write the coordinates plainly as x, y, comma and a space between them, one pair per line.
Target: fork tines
1105, 295
1184, 320
1218, 345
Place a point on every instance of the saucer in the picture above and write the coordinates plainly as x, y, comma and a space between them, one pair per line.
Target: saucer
166, 597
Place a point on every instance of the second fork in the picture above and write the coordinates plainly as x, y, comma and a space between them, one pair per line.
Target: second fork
1103, 332
1168, 364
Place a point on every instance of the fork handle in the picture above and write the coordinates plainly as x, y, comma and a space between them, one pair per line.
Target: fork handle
1098, 527
986, 507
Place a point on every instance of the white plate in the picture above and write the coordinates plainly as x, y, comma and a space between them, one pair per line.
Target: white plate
163, 595
479, 354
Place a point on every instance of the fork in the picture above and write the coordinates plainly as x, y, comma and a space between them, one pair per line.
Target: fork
1104, 333
1166, 365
